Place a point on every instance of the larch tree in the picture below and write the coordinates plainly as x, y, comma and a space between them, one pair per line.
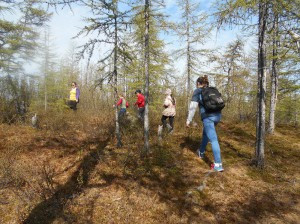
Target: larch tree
18, 42
231, 60
274, 73
234, 77
146, 61
19, 35
193, 31
110, 25
284, 22
261, 83
150, 60
236, 12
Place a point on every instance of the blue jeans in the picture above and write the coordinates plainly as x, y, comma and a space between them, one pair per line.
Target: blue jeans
122, 112
210, 134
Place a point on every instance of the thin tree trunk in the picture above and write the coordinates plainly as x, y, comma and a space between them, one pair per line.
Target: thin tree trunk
274, 78
261, 106
147, 61
189, 64
45, 95
46, 70
229, 85
118, 135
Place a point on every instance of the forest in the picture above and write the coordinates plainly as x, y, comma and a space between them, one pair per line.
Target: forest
112, 111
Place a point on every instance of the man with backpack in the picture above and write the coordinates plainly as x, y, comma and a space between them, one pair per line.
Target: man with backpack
210, 104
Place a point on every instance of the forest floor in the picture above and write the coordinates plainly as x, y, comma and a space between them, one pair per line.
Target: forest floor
78, 176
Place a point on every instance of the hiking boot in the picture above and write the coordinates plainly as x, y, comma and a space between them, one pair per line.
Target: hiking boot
200, 154
217, 167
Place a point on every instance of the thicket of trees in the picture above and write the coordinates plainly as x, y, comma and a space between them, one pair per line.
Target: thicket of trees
128, 40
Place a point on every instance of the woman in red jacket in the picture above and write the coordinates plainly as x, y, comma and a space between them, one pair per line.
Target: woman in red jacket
140, 104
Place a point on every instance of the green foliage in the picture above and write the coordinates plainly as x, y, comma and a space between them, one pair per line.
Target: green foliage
159, 59
19, 36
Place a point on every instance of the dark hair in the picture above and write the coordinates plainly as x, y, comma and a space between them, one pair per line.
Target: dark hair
138, 91
203, 80
74, 83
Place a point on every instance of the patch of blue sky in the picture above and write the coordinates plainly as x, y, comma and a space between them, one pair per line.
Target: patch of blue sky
216, 40
66, 23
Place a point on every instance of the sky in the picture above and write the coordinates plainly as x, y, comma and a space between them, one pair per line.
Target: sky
66, 23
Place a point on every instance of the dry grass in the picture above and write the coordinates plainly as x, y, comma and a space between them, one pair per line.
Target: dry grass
80, 177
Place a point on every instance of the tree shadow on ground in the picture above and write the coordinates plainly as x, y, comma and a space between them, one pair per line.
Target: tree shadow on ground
173, 188
260, 207
193, 146
47, 211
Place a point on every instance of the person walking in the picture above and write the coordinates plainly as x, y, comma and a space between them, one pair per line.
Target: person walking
123, 104
168, 113
209, 118
74, 96
140, 103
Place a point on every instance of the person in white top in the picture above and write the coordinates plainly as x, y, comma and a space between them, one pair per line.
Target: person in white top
168, 113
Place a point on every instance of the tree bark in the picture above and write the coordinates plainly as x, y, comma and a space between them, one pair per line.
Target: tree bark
274, 78
118, 135
46, 70
189, 64
261, 105
147, 61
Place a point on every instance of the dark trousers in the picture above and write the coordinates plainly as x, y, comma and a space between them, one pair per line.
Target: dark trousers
164, 121
72, 104
141, 113
122, 112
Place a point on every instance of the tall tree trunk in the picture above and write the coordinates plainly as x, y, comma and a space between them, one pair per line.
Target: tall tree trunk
118, 135
261, 105
274, 78
147, 61
46, 70
45, 95
189, 64
229, 85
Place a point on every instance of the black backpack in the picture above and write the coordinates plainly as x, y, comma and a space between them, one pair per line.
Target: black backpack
212, 100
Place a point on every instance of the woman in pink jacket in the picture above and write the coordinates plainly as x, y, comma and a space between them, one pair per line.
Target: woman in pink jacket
168, 113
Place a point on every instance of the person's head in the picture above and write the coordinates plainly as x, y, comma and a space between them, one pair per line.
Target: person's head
121, 95
74, 84
168, 92
202, 81
138, 91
